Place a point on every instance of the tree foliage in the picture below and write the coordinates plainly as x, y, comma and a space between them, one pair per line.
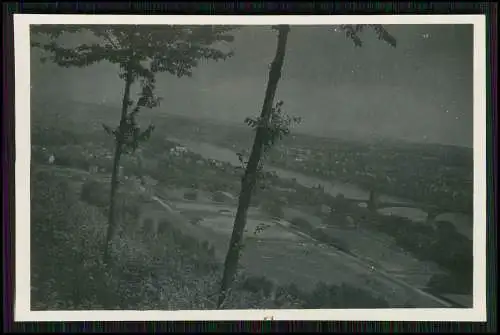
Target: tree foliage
141, 51
274, 128
144, 50
352, 32
167, 48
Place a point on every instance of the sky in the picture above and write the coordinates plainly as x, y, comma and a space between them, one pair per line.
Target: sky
420, 91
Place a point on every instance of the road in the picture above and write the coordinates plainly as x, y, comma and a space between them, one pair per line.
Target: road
349, 259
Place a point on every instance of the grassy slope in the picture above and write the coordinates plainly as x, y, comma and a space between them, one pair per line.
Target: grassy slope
171, 272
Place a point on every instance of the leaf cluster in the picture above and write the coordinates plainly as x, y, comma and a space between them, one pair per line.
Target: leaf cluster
141, 51
352, 32
129, 133
275, 127
271, 129
165, 48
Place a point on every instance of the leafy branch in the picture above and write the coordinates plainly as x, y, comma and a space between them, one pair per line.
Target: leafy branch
352, 32
275, 128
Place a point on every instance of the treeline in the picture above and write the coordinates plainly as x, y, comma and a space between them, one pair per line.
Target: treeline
441, 244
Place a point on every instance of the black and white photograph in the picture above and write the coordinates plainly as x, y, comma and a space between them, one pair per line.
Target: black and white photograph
250, 167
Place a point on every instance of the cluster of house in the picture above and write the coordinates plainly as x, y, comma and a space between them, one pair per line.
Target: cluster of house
297, 154
178, 150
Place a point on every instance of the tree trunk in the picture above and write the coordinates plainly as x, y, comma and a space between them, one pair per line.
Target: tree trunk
373, 201
116, 165
250, 177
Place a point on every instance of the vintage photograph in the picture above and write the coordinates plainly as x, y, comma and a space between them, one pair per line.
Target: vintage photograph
251, 166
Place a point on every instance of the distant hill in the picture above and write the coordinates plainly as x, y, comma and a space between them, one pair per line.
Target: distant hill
91, 114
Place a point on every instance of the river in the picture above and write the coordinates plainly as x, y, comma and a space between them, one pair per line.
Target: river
350, 191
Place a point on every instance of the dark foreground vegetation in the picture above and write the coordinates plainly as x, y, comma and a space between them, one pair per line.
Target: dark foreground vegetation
171, 272
441, 244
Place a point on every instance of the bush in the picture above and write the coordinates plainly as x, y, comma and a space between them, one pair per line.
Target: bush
96, 193
132, 206
444, 246
344, 296
324, 237
67, 237
274, 209
218, 196
320, 235
71, 156
455, 283
53, 136
257, 284
302, 224
191, 195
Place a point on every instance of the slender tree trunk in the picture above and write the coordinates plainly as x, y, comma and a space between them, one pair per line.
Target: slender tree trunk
250, 177
116, 165
373, 200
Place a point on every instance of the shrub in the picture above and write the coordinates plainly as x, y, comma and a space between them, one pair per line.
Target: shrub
163, 226
53, 136
302, 224
71, 156
320, 235
257, 284
218, 196
339, 244
67, 238
132, 208
95, 193
446, 246
343, 296
274, 209
148, 226
38, 155
324, 237
456, 283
